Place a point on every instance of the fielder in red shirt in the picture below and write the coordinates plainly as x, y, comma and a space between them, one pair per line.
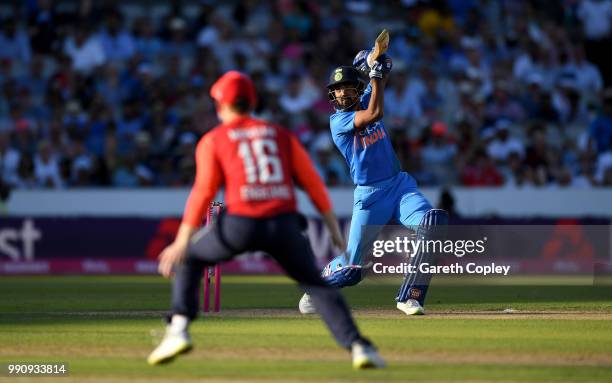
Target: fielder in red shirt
259, 164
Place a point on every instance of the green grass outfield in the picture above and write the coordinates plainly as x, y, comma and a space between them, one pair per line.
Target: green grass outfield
518, 329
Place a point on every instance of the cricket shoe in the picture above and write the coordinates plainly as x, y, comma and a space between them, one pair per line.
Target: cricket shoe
411, 307
306, 306
173, 344
366, 356
380, 47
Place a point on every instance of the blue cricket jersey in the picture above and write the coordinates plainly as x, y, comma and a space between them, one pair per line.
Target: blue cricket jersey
369, 153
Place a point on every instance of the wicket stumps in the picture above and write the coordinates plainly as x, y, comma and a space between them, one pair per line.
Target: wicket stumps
213, 271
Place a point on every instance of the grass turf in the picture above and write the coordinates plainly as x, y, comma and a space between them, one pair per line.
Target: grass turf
102, 327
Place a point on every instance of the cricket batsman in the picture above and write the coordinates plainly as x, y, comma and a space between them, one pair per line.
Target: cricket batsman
383, 193
260, 164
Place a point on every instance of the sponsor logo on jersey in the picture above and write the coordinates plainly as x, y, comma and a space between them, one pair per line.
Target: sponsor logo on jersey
372, 134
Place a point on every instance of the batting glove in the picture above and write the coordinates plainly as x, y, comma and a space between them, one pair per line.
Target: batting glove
376, 71
387, 63
360, 61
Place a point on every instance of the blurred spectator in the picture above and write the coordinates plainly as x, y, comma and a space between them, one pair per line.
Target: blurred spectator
563, 178
503, 145
60, 85
537, 156
42, 25
567, 102
596, 17
600, 131
469, 59
130, 123
438, 154
111, 88
530, 63
481, 171
421, 173
34, 81
9, 160
447, 202
401, 104
604, 164
331, 168
118, 44
513, 170
5, 193
585, 177
85, 50
588, 76
14, 42
82, 166
167, 175
607, 178
435, 20
148, 46
186, 171
129, 174
537, 102
47, 167
296, 98
26, 179
118, 93
178, 44
432, 98
502, 106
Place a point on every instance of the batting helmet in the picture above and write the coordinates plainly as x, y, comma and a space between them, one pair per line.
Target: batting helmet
233, 86
346, 75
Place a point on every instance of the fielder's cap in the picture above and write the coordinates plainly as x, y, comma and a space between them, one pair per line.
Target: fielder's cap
232, 86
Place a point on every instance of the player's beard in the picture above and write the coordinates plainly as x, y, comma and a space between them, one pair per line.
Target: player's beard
345, 104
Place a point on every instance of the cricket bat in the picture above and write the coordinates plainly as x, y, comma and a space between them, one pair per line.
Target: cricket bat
380, 46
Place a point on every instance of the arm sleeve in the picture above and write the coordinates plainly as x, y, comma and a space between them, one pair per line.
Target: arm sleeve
207, 181
342, 123
365, 97
307, 177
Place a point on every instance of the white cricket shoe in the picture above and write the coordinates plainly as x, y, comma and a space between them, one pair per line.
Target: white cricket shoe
306, 306
173, 344
366, 356
411, 307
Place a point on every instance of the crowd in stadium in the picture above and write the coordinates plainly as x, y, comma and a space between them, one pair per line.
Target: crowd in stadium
482, 92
